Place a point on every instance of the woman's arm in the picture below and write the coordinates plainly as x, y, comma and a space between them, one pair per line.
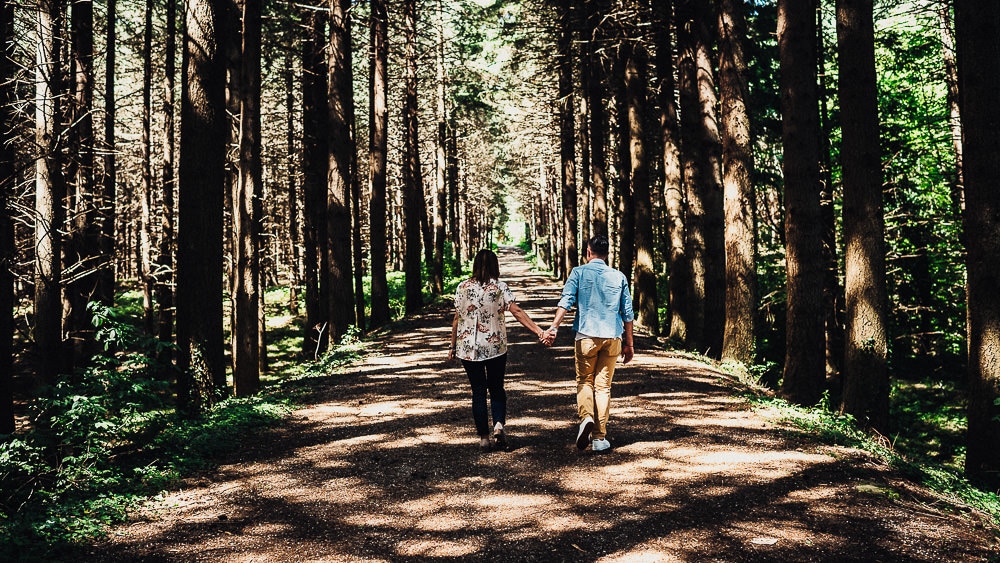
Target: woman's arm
454, 335
524, 319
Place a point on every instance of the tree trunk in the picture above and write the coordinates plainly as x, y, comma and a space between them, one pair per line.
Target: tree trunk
625, 257
412, 185
596, 11
291, 187
378, 147
314, 164
636, 85
8, 167
146, 173
866, 379
200, 343
833, 297
105, 291
165, 261
50, 189
673, 188
82, 252
570, 257
954, 111
804, 371
704, 224
740, 196
245, 214
977, 26
440, 159
339, 172
454, 205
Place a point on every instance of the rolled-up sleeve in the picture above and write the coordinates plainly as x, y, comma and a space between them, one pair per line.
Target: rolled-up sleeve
625, 304
568, 298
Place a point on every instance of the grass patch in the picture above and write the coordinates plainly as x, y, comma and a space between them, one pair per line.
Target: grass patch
829, 427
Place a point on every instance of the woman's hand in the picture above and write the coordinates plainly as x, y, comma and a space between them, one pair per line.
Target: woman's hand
548, 337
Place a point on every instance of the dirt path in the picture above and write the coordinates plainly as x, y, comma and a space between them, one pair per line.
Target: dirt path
385, 466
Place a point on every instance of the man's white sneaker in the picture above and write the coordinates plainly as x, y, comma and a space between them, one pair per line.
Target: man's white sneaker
601, 444
499, 436
583, 436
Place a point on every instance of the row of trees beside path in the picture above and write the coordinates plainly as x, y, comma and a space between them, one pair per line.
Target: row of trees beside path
799, 185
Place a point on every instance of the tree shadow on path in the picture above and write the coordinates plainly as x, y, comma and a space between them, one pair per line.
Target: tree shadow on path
383, 465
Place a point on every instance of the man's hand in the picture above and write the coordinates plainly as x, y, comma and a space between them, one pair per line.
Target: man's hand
627, 354
548, 337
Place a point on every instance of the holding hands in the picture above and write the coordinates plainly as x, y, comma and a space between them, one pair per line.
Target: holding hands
548, 337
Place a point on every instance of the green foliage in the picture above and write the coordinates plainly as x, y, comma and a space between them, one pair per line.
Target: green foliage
104, 439
830, 427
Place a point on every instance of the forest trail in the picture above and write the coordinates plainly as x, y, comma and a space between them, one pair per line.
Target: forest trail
384, 465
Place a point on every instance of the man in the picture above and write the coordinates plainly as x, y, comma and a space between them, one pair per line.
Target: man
604, 312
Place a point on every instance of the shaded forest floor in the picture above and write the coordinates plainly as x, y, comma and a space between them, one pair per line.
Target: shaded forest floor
383, 465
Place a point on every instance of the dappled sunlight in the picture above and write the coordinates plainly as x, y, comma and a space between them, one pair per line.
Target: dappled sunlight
387, 466
729, 420
437, 548
535, 423
642, 555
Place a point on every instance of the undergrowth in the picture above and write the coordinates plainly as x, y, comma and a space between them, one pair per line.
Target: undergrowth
829, 426
105, 439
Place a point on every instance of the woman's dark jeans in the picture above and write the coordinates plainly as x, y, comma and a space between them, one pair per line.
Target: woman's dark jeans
484, 376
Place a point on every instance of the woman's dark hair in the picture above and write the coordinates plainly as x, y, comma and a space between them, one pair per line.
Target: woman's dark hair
485, 267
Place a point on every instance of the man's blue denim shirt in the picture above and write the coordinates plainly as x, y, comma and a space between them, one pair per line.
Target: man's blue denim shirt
601, 296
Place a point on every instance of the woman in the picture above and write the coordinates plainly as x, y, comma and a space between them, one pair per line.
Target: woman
479, 339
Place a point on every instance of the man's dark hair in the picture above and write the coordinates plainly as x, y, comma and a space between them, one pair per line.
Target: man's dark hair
598, 245
485, 267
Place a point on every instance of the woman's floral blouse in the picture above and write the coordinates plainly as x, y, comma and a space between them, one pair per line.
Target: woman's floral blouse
482, 328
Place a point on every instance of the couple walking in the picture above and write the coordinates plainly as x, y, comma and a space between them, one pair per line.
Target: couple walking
603, 327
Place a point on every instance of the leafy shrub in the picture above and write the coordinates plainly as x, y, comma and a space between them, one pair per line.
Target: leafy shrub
103, 440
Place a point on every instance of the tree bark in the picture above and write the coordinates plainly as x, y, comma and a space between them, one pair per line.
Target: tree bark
704, 224
440, 158
625, 226
740, 196
8, 167
804, 371
673, 187
291, 186
636, 85
954, 110
145, 240
105, 291
50, 190
314, 165
833, 297
413, 191
570, 257
866, 379
596, 87
82, 251
377, 158
339, 172
977, 27
200, 343
246, 210
165, 259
